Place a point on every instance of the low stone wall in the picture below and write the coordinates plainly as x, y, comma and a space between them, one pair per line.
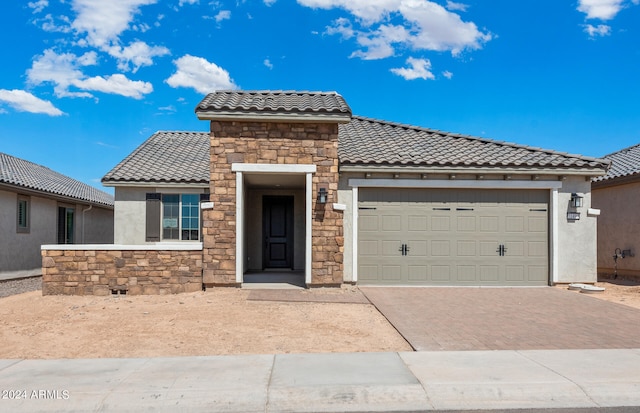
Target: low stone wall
135, 270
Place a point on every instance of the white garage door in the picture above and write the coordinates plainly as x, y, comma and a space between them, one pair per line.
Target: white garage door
453, 237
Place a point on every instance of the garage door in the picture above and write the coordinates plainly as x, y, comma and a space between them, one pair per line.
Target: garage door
453, 237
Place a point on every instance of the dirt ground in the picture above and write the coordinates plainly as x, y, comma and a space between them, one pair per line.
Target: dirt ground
218, 321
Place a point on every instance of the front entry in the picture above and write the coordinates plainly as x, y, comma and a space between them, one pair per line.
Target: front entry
277, 230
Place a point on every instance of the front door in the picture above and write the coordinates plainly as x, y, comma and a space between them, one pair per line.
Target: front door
277, 221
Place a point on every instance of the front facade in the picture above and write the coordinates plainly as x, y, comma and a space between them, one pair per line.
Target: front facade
39, 206
293, 182
617, 195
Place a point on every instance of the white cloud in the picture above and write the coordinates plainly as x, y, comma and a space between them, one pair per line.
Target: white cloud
38, 6
600, 9
137, 54
63, 70
453, 6
268, 63
104, 21
26, 102
426, 25
199, 74
419, 69
599, 30
269, 3
447, 74
183, 2
222, 15
117, 84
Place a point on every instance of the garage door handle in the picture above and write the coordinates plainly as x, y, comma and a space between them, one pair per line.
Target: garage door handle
404, 249
366, 208
501, 250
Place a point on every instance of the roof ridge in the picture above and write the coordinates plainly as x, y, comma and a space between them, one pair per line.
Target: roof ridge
480, 139
280, 91
622, 150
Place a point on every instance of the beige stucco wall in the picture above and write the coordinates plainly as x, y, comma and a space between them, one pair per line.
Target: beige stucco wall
130, 211
21, 251
577, 245
618, 227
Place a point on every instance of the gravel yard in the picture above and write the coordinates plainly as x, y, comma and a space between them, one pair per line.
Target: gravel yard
23, 285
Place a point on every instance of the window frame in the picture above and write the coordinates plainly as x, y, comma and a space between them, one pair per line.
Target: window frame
26, 201
179, 217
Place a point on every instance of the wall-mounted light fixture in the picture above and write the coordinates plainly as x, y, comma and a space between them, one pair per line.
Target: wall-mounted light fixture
322, 195
576, 200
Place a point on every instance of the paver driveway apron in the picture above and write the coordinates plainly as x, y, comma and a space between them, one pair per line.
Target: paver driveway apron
523, 318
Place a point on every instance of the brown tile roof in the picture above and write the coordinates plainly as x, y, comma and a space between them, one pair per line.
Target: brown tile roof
366, 141
625, 163
274, 103
20, 173
166, 157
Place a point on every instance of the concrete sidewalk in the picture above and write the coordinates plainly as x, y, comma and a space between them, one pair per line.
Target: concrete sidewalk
337, 382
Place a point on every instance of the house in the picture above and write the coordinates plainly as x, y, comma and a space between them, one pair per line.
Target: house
617, 195
293, 181
40, 206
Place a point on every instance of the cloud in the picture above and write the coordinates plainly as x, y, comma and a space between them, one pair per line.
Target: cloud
38, 6
600, 9
63, 70
183, 2
137, 54
599, 30
222, 15
452, 6
447, 74
199, 74
268, 63
117, 84
419, 69
26, 102
269, 3
104, 21
425, 25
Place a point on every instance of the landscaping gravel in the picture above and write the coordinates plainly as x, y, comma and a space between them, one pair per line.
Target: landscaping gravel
23, 285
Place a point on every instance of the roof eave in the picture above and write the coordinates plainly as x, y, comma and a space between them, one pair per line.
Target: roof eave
255, 116
155, 184
471, 169
51, 195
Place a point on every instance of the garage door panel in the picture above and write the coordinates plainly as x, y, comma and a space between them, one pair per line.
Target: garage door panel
453, 237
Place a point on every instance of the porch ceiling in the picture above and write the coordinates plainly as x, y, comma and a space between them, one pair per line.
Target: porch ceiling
274, 181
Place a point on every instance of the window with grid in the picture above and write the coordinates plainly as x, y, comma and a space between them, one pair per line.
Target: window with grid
181, 217
23, 214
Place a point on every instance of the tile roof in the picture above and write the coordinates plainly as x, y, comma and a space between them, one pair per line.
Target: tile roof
624, 163
366, 141
274, 102
166, 157
28, 175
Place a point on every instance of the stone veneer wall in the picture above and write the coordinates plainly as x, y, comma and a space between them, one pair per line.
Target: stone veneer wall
100, 271
272, 143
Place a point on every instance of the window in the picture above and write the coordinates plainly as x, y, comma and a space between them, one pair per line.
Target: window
181, 217
23, 218
65, 225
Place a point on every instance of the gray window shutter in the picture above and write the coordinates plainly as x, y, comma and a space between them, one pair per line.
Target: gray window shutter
153, 217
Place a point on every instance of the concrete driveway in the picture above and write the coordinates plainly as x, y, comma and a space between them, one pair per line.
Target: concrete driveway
505, 318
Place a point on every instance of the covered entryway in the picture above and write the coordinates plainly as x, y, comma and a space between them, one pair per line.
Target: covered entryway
444, 236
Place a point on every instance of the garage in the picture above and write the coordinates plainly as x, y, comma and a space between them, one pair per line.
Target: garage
443, 236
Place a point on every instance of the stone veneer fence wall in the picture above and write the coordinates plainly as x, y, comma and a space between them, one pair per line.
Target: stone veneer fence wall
135, 269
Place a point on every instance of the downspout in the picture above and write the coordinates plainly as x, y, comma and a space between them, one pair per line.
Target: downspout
83, 220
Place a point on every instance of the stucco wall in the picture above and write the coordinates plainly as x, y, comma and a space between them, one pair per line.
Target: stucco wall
577, 245
21, 251
618, 227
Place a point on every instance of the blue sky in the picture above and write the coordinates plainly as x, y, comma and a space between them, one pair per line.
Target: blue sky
84, 82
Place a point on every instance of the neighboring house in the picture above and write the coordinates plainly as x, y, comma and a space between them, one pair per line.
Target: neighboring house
617, 195
40, 206
294, 181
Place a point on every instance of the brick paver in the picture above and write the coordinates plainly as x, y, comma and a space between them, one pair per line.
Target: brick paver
505, 318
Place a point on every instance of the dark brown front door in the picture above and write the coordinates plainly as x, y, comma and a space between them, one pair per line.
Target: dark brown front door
277, 218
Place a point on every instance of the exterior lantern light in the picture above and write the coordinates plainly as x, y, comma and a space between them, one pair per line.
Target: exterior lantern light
576, 200
322, 195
